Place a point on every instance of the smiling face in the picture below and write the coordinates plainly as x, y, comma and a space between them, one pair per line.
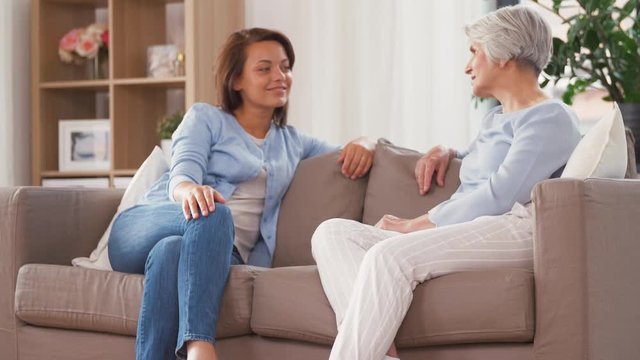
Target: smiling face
482, 70
266, 77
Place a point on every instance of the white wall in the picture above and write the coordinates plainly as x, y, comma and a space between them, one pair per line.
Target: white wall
380, 68
15, 114
310, 104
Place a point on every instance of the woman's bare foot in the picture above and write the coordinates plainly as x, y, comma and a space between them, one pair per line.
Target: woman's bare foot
393, 352
201, 350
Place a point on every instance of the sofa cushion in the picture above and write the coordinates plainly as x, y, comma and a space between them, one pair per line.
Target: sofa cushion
464, 307
602, 152
317, 192
86, 299
632, 170
149, 172
395, 165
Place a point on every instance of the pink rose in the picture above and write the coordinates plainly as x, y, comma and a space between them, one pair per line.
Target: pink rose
87, 47
70, 40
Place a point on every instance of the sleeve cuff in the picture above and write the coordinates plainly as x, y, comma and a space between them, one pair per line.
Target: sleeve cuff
174, 181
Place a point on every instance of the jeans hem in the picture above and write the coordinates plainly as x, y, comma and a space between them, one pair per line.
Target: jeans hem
181, 351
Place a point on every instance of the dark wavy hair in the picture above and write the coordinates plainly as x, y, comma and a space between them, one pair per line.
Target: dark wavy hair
231, 61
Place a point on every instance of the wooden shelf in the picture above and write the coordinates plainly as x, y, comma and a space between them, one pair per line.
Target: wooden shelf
74, 174
97, 3
124, 172
174, 82
77, 84
132, 102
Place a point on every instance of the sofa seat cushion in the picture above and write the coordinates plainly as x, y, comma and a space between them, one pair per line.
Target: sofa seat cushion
105, 301
465, 307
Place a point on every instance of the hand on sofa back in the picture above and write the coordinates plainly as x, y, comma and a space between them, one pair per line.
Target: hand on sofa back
319, 192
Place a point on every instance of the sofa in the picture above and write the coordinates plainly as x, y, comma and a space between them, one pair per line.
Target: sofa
581, 301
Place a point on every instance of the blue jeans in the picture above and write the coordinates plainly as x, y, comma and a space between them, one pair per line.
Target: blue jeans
186, 265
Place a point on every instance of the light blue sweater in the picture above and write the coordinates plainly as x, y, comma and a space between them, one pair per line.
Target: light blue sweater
511, 153
210, 147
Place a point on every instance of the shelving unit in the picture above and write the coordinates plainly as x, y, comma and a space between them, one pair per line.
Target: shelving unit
131, 101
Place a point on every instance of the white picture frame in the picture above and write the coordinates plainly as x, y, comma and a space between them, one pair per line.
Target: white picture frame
84, 145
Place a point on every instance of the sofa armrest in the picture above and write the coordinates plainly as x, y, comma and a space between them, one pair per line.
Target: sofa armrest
586, 269
50, 226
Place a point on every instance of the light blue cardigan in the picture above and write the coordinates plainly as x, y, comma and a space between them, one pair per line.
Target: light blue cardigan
210, 147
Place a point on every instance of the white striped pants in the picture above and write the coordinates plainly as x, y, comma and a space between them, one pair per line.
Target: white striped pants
369, 274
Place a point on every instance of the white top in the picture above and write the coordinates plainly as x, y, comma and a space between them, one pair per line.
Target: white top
246, 205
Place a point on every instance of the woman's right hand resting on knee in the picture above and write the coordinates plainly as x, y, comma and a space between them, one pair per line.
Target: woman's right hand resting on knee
196, 199
435, 160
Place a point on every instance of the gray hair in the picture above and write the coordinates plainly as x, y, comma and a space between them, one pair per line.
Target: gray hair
513, 32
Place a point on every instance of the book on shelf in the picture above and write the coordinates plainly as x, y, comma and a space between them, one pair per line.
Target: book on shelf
95, 182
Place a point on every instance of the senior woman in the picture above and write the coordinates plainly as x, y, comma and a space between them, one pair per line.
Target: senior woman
369, 273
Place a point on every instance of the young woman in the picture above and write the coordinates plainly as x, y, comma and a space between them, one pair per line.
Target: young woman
218, 205
369, 273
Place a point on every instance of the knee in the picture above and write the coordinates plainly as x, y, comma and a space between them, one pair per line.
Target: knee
383, 260
222, 212
220, 217
217, 225
325, 238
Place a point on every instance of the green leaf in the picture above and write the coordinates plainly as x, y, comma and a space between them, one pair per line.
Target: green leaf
591, 40
544, 82
628, 8
568, 95
597, 46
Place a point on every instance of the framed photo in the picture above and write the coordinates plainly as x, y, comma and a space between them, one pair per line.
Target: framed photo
84, 145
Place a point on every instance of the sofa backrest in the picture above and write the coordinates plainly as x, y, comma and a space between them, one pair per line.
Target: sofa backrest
392, 187
319, 192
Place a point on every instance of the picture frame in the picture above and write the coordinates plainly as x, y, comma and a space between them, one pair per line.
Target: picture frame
84, 145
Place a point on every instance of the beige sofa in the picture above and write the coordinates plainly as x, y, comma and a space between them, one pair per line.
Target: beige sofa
581, 301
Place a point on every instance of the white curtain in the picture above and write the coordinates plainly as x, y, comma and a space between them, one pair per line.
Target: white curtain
15, 161
380, 68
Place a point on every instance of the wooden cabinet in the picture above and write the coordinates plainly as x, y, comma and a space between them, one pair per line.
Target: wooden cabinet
133, 102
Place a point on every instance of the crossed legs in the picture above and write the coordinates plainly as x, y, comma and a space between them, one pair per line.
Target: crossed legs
369, 274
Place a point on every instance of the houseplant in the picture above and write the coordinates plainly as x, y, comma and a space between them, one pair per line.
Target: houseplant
601, 50
166, 127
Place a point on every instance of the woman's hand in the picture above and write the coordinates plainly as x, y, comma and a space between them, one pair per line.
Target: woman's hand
196, 199
394, 223
357, 157
435, 160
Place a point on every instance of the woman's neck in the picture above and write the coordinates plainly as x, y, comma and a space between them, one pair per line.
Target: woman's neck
520, 91
519, 101
256, 122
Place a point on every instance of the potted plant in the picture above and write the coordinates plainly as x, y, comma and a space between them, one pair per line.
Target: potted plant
166, 127
601, 50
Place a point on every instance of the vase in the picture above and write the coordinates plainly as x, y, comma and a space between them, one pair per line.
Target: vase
631, 118
100, 66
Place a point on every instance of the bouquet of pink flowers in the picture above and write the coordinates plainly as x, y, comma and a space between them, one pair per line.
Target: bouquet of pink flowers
83, 43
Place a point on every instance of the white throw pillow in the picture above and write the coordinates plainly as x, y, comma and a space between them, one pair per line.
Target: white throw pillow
148, 173
602, 152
